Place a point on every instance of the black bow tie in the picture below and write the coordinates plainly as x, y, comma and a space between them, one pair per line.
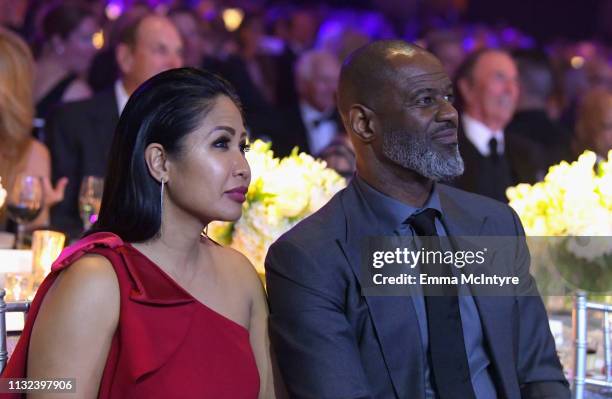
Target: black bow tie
323, 118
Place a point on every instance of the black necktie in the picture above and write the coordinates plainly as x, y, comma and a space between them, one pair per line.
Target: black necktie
447, 357
493, 153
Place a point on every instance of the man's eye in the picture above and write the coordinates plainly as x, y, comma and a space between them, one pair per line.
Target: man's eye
450, 98
426, 100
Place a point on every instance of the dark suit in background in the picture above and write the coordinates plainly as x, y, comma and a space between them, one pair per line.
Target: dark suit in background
489, 176
333, 342
295, 132
261, 116
79, 136
551, 136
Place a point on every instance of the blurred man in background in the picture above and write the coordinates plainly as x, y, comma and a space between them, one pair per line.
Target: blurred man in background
312, 123
488, 84
532, 121
80, 133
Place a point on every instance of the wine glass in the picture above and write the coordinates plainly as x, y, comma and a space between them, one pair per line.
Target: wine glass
24, 203
90, 199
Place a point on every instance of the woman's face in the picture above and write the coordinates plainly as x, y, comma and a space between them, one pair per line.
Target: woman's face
209, 178
79, 47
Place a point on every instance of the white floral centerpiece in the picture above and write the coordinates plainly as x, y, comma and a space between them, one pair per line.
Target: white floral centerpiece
282, 192
573, 201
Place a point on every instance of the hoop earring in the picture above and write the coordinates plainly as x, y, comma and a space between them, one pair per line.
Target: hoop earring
161, 198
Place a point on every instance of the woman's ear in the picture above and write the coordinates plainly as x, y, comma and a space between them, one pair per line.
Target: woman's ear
363, 122
157, 161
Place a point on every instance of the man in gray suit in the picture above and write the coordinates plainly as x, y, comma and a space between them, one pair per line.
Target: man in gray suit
333, 342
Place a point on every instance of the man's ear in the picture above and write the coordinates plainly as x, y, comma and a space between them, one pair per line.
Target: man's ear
363, 122
124, 57
157, 161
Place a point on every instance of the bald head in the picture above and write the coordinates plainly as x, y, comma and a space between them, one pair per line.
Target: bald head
368, 72
396, 104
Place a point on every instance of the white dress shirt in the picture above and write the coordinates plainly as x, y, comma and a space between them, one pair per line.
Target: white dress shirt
319, 136
121, 96
480, 135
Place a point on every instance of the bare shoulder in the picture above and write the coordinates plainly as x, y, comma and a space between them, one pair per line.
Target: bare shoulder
89, 283
74, 327
38, 149
91, 269
239, 268
39, 159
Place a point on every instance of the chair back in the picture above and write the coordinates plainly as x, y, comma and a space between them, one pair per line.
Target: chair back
5, 308
580, 321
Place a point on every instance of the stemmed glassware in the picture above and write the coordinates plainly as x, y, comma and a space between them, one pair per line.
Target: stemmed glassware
24, 203
90, 199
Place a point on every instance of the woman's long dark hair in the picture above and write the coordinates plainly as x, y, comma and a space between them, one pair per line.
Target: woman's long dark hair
163, 110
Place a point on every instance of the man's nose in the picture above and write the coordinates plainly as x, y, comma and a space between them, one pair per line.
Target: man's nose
447, 112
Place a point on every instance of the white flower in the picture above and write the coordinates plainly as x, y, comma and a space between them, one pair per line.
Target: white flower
282, 192
573, 200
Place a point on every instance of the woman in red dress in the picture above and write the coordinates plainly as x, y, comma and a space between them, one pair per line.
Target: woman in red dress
145, 306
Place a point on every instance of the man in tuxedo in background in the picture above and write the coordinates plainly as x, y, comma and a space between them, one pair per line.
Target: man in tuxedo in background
332, 341
80, 133
312, 123
531, 120
489, 89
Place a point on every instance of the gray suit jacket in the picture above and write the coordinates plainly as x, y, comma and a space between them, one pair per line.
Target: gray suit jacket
332, 342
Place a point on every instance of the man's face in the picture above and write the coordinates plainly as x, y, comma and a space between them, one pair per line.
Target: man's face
303, 28
158, 47
491, 93
319, 89
418, 120
192, 38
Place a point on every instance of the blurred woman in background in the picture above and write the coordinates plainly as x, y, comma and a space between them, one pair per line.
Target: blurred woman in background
594, 123
65, 55
19, 152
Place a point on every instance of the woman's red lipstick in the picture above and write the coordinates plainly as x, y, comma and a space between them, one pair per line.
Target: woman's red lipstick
238, 194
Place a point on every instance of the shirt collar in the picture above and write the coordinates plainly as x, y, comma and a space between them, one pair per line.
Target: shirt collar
310, 114
390, 212
480, 135
121, 95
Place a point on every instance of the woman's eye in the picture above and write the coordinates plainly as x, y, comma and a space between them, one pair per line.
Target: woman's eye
244, 147
450, 98
221, 143
426, 100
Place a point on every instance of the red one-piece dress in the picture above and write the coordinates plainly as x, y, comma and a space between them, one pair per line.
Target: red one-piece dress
167, 343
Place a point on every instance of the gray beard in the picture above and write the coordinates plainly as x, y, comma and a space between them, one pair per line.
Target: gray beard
415, 152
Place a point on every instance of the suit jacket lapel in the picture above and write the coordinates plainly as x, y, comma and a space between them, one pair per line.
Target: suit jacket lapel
494, 311
394, 317
106, 113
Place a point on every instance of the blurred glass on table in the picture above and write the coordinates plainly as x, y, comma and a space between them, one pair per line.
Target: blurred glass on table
24, 203
90, 198
46, 247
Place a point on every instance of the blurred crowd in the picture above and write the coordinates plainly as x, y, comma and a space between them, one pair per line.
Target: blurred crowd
67, 69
